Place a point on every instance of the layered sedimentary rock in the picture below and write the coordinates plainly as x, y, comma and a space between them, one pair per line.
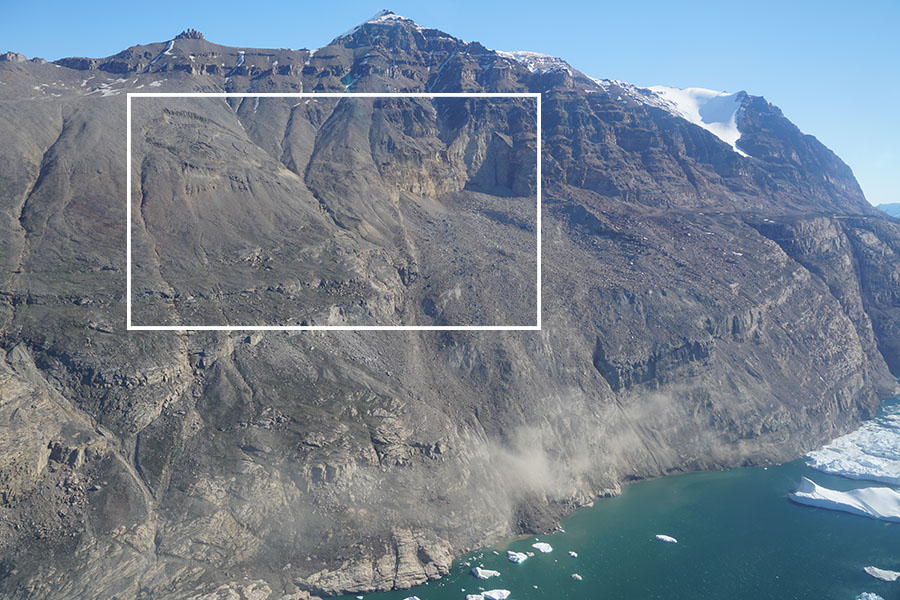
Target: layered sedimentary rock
701, 309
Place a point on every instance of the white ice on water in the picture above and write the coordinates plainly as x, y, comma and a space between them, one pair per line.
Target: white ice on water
484, 573
516, 557
666, 538
874, 502
882, 574
573, 554
543, 547
495, 594
869, 596
872, 452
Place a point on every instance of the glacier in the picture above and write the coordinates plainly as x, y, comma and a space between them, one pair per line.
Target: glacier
716, 112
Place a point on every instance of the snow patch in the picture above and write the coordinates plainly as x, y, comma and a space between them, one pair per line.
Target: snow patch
165, 51
873, 502
716, 112
535, 61
384, 17
882, 574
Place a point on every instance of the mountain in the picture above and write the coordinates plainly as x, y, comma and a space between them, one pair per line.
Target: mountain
891, 209
716, 292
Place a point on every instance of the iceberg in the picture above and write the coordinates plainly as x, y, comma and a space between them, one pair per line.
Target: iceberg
872, 452
882, 574
573, 554
869, 596
412, 598
496, 594
666, 538
543, 547
474, 597
576, 576
874, 502
516, 557
484, 573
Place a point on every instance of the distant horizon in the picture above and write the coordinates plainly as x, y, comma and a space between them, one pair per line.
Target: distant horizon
830, 68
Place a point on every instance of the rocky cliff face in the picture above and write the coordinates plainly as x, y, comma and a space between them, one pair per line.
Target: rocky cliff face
700, 309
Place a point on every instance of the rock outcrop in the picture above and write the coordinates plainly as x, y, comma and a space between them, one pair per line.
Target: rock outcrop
701, 309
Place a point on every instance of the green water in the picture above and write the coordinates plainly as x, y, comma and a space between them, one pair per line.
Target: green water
739, 537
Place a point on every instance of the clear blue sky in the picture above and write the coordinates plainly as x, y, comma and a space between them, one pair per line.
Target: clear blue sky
832, 66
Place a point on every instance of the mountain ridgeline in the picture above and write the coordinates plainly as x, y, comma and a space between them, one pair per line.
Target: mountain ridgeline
705, 303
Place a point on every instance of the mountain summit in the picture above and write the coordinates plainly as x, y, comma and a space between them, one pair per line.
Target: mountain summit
716, 291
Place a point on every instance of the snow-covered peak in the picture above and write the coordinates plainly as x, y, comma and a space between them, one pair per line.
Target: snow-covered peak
535, 61
716, 112
383, 17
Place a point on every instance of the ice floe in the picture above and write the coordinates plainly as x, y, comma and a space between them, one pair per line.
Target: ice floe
543, 547
484, 573
869, 596
882, 574
495, 594
576, 577
573, 554
875, 502
666, 538
516, 557
872, 452
412, 598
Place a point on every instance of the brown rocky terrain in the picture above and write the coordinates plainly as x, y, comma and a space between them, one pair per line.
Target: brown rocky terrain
701, 309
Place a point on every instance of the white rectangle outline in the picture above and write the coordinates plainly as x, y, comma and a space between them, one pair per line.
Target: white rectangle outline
130, 327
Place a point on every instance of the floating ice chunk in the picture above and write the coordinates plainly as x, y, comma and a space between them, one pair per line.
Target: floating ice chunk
484, 573
530, 553
871, 452
412, 598
869, 596
474, 597
882, 574
573, 554
576, 576
496, 594
874, 502
543, 547
666, 538
516, 557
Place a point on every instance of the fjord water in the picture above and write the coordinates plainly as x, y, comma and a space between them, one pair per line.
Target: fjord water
739, 537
